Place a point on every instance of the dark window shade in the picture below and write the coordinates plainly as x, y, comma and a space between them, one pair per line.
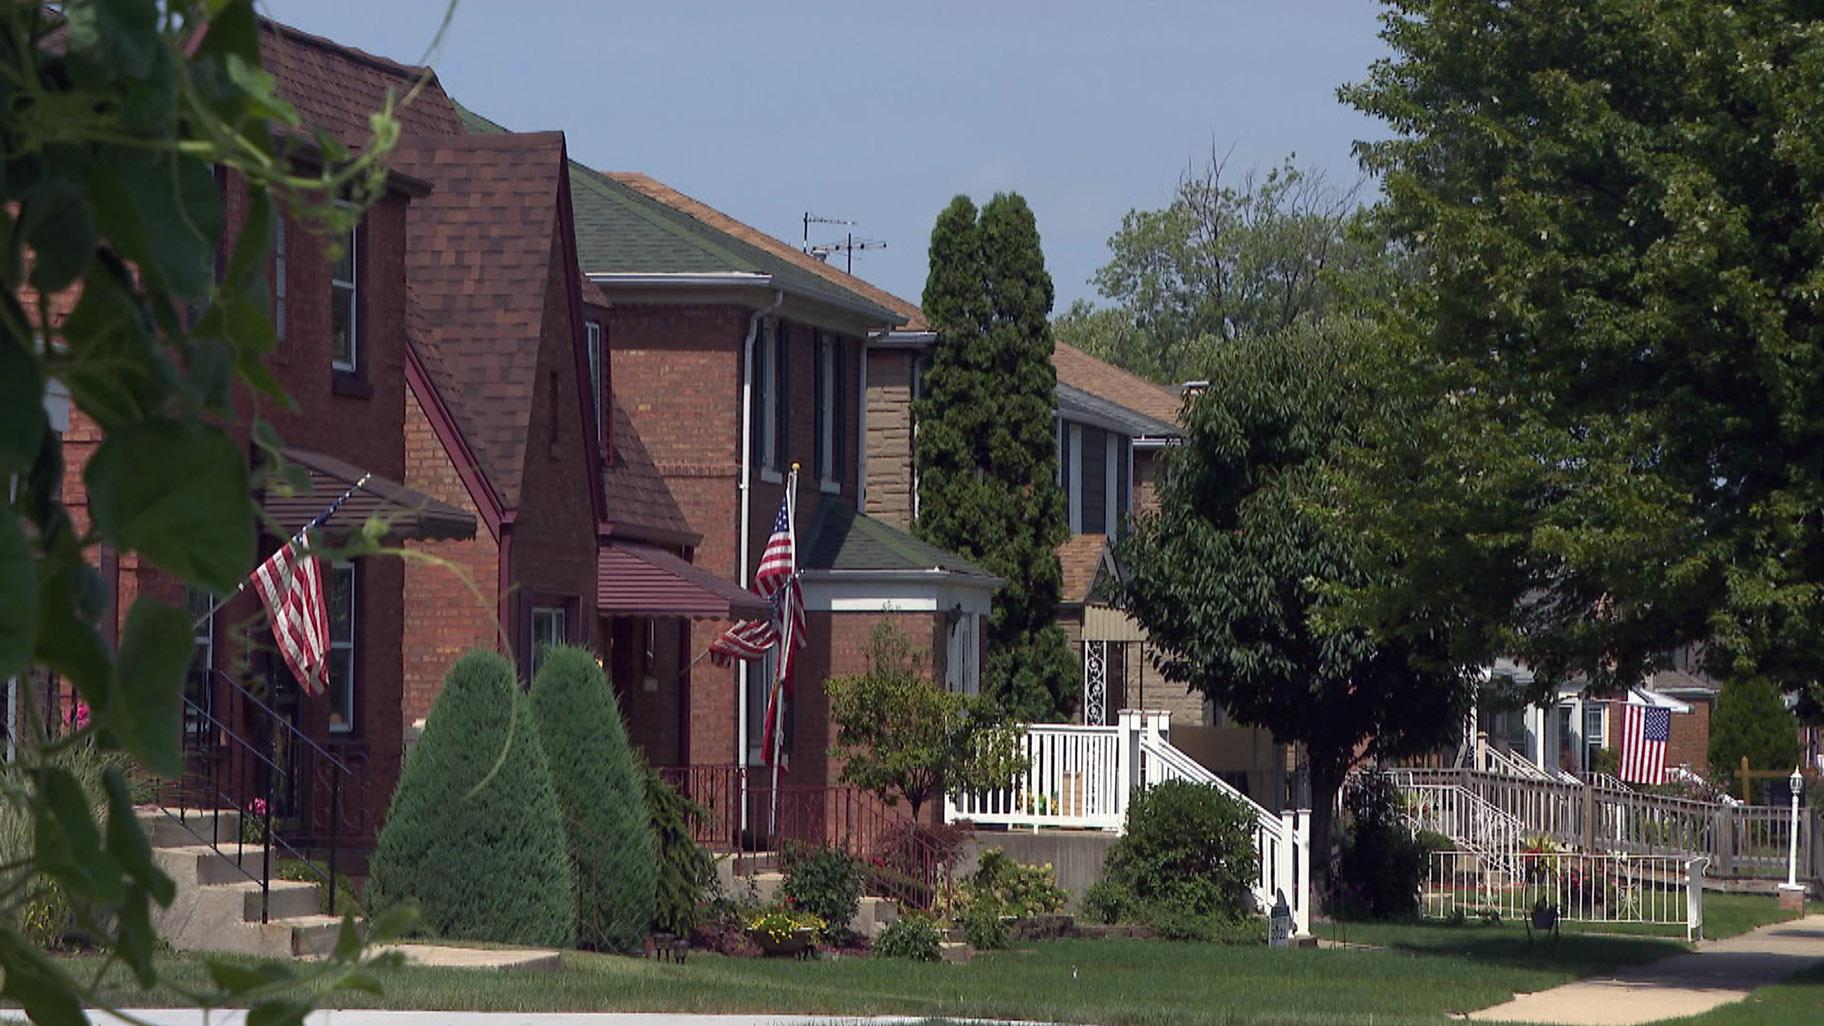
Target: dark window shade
758, 452
839, 392
782, 408
1066, 461
1123, 486
821, 410
1095, 481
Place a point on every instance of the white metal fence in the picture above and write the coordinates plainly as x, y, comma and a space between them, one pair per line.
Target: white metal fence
1576, 887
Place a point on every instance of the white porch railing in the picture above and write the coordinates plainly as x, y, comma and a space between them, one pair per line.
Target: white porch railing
1461, 815
1083, 777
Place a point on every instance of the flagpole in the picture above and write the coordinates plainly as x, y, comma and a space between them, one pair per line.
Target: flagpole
785, 642
215, 604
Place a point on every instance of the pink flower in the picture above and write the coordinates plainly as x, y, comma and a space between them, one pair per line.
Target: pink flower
78, 716
257, 807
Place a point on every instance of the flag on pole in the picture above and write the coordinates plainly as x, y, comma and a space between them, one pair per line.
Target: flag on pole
776, 581
290, 586
1644, 732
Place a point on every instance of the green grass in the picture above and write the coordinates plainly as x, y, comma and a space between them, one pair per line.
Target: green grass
1725, 915
1798, 1000
1434, 971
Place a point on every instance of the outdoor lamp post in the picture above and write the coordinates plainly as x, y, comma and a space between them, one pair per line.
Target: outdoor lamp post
1791, 886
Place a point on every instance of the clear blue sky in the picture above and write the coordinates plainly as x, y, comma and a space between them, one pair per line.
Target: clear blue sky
881, 112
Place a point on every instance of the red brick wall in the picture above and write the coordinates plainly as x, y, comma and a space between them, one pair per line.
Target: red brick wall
552, 553
677, 375
448, 609
1689, 743
838, 646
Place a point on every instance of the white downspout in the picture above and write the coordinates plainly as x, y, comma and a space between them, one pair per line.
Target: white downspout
747, 473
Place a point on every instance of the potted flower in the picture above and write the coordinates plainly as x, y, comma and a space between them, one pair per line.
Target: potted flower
782, 932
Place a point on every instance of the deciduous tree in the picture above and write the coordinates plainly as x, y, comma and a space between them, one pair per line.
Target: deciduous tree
1618, 340
987, 456
901, 735
1230, 575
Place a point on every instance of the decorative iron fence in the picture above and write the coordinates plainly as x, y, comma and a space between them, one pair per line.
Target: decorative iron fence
1572, 887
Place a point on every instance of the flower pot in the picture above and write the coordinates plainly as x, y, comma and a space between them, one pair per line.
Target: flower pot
796, 944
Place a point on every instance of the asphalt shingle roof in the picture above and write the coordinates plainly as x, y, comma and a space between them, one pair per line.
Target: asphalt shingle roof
842, 539
336, 87
628, 224
1073, 401
478, 258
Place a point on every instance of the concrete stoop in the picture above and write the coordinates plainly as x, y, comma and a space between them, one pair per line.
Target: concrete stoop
217, 907
871, 917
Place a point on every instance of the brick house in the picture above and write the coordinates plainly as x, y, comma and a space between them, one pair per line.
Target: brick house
341, 359
731, 362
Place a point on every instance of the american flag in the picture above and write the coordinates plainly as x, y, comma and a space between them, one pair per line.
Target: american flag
291, 588
776, 581
1644, 731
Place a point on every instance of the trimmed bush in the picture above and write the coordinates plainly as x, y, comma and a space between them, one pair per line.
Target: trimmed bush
1108, 903
913, 937
474, 834
826, 882
602, 793
1188, 847
685, 870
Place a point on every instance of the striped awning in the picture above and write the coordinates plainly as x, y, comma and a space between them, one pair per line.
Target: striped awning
408, 513
639, 580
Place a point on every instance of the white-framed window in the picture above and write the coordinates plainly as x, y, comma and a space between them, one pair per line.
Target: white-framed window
592, 333
342, 681
547, 633
199, 605
963, 655
278, 279
344, 306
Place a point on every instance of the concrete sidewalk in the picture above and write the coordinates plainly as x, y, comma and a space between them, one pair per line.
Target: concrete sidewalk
1717, 973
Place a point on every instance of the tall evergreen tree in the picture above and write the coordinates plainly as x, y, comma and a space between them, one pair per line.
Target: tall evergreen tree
987, 456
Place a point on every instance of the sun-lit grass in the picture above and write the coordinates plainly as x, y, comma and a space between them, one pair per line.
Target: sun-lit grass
1798, 1000
1725, 915
1433, 972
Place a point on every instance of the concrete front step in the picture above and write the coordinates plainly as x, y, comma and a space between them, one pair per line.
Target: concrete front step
285, 899
165, 829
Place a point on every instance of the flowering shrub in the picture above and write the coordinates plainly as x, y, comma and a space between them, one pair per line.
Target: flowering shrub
824, 882
253, 822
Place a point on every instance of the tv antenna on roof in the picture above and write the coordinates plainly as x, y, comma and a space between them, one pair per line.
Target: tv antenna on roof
847, 246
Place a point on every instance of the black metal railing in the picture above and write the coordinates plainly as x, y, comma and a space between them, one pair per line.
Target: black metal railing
240, 754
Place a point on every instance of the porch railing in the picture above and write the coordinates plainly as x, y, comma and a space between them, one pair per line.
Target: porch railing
757, 826
241, 756
1084, 777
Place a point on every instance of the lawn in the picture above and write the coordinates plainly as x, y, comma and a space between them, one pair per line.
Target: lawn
1725, 915
1798, 1000
1113, 982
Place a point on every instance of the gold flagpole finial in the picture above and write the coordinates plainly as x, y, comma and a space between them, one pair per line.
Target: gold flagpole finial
794, 466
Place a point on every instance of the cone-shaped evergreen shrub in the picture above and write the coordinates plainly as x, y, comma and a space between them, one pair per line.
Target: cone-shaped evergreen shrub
488, 865
602, 792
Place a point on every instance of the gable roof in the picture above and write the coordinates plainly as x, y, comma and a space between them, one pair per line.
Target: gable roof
1080, 558
639, 503
1076, 404
841, 539
646, 185
629, 224
336, 87
1108, 382
478, 256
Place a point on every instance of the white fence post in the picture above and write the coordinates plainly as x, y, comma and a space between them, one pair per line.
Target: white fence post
1300, 836
1694, 898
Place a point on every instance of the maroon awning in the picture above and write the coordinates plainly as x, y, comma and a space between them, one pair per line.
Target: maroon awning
408, 513
638, 580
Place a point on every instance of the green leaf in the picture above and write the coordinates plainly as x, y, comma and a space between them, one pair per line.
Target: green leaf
41, 987
147, 715
165, 215
197, 523
18, 597
348, 941
278, 1013
116, 370
238, 979
127, 843
68, 642
22, 421
135, 939
67, 844
115, 34
56, 223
